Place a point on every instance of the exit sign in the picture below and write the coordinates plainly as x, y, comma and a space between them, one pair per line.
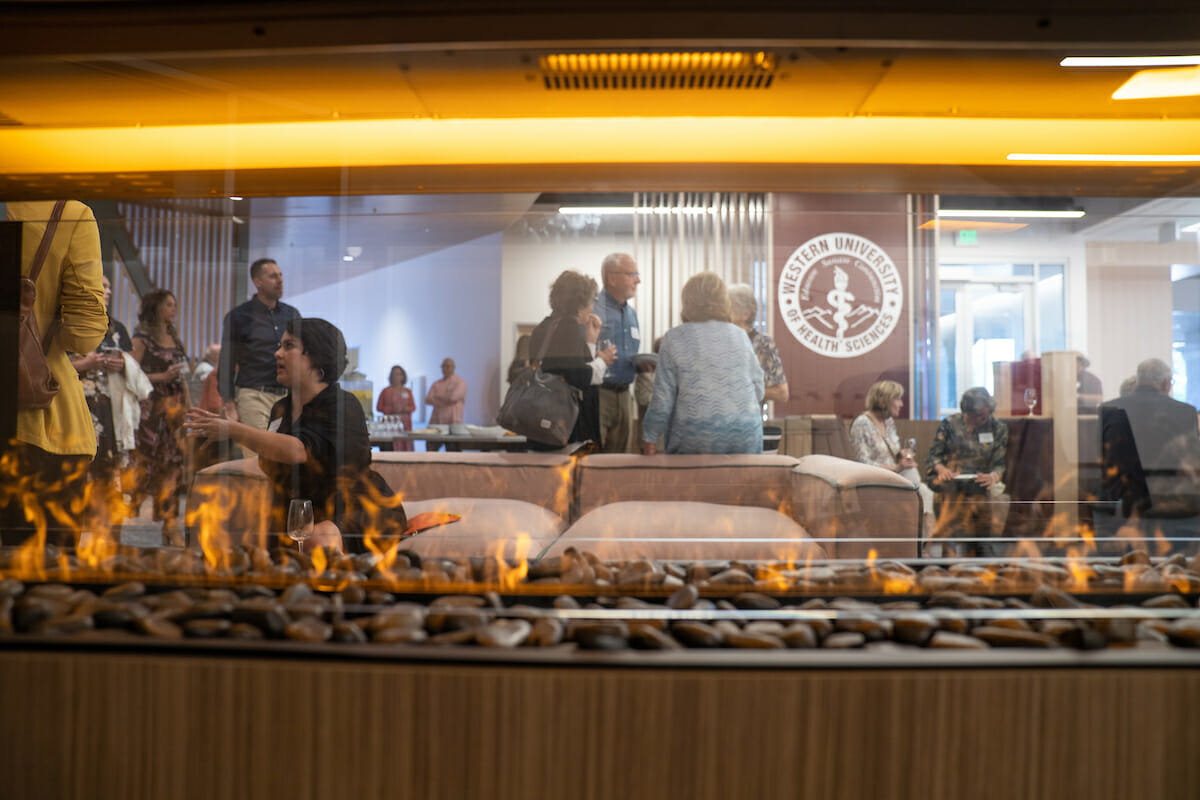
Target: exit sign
966, 238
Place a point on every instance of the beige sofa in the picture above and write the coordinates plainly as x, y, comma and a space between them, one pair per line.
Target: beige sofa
748, 507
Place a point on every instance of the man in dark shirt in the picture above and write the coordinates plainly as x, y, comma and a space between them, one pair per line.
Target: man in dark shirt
249, 338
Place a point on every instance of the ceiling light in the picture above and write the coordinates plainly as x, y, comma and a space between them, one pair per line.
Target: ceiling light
630, 210
1160, 83
1130, 61
1152, 158
1009, 213
671, 61
235, 197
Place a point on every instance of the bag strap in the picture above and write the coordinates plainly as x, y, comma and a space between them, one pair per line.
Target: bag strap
546, 342
47, 237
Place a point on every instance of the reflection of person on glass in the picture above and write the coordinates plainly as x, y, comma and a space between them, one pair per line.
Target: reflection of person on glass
966, 463
316, 446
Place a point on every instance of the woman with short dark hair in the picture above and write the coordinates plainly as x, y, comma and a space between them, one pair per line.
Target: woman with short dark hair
317, 447
569, 337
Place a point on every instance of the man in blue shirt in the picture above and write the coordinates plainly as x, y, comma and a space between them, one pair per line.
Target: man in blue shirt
249, 338
619, 325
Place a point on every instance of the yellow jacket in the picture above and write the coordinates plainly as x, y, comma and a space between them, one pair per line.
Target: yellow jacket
70, 281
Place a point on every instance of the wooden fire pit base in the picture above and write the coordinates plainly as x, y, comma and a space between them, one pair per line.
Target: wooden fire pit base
81, 724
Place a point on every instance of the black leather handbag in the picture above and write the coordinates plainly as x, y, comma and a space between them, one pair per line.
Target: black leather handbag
540, 406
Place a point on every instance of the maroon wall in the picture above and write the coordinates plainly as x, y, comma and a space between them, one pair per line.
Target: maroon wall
854, 323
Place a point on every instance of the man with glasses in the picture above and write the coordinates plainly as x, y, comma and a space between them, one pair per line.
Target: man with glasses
619, 325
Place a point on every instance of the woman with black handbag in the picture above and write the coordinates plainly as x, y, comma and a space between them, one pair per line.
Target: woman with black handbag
568, 339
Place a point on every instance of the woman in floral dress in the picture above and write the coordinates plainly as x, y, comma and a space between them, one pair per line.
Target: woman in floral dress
160, 437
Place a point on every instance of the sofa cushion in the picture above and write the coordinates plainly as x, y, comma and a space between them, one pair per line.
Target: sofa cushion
488, 526
737, 480
543, 479
857, 506
687, 530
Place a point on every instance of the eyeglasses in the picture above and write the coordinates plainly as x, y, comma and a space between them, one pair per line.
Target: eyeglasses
631, 274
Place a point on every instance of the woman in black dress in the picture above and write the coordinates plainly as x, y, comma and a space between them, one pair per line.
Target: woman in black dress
569, 338
317, 447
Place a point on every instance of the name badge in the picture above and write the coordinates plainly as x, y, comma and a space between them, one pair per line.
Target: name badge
985, 438
634, 333
275, 423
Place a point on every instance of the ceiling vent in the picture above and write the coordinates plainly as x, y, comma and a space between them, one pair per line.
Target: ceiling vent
667, 70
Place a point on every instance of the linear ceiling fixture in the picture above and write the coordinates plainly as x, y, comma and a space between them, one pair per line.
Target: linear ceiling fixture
1133, 158
612, 210
659, 70
1130, 61
1010, 213
1150, 83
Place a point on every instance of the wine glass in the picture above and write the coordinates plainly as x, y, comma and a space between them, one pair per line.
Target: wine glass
910, 448
300, 521
1031, 399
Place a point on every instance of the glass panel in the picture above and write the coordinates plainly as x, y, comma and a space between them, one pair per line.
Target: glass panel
1051, 310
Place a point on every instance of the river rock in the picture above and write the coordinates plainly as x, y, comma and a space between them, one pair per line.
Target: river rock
914, 627
945, 640
503, 633
546, 632
731, 577
244, 631
767, 626
1013, 623
64, 624
206, 628
696, 634
1008, 637
208, 609
399, 635
1185, 632
453, 638
755, 601
952, 623
29, 610
566, 602
844, 640
684, 597
872, 628
125, 591
648, 637
6, 605
1117, 630
754, 641
602, 635
158, 627
1165, 601
1135, 557
1082, 637
11, 587
117, 615
347, 632
799, 636
308, 629
50, 591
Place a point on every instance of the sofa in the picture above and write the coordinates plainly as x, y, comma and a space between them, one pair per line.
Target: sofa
621, 507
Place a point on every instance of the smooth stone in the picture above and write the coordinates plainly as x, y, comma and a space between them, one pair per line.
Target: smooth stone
1117, 630
378, 597
755, 601
165, 600
848, 604
265, 613
11, 587
952, 623
754, 641
248, 590
873, 629
704, 604
1150, 580
406, 616
901, 605
208, 609
50, 591
765, 626
244, 631
1012, 623
975, 602
503, 633
684, 597
1135, 557
671, 581
1082, 637
799, 636
731, 577
635, 573
566, 602
636, 604
125, 591
545, 568
546, 632
118, 615
206, 628
312, 607
1184, 632
1017, 603
452, 638
1007, 637
727, 628
69, 623
159, 628
1165, 601
725, 605
914, 627
814, 604
648, 637
696, 634
493, 600
399, 635
821, 626
348, 633
844, 640
308, 629
1056, 627
675, 570
458, 619
945, 640
579, 573
28, 611
599, 635
1150, 630
354, 595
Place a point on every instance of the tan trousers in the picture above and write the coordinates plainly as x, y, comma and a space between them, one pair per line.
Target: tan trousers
618, 422
254, 409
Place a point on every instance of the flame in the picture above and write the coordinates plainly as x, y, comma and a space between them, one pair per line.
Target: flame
510, 577
319, 561
1081, 573
209, 513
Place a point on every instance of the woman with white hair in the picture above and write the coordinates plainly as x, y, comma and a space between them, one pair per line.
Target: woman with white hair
708, 386
743, 308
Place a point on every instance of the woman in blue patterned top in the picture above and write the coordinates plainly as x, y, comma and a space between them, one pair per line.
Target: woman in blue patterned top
708, 386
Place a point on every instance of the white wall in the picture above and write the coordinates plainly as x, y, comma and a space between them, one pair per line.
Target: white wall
530, 265
420, 311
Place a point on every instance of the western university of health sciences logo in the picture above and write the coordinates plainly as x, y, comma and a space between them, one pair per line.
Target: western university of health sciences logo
840, 295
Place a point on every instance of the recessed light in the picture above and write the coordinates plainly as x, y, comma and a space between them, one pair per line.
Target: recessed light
1133, 158
1150, 83
235, 197
1009, 213
1130, 61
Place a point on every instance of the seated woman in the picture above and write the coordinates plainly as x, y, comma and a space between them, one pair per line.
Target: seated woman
316, 447
566, 342
708, 385
966, 466
874, 440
